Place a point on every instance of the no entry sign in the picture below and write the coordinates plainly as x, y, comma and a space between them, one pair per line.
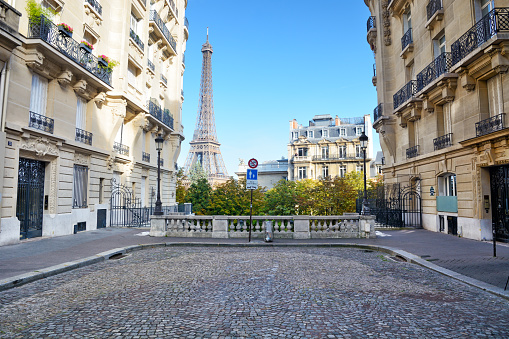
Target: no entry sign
252, 163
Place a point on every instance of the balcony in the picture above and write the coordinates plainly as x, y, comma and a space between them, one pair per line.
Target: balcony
167, 118
441, 65
490, 125
41, 122
145, 156
164, 80
405, 93
298, 158
371, 37
373, 79
151, 65
371, 23
96, 6
161, 30
186, 27
120, 148
377, 112
442, 142
83, 136
432, 7
157, 112
137, 39
412, 152
492, 23
336, 157
173, 9
406, 40
48, 32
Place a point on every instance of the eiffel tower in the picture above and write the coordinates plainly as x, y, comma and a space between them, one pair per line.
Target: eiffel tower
205, 146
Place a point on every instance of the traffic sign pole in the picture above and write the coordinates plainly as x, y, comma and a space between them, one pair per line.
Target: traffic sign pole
251, 215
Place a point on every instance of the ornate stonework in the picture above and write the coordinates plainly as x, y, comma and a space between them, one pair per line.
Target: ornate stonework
386, 17
40, 146
82, 159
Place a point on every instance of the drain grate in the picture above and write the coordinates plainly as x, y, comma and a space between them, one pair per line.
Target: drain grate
117, 256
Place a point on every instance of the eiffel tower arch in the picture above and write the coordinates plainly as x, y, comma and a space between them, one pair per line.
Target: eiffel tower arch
204, 148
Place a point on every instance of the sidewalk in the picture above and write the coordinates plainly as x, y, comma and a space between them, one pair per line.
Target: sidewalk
470, 258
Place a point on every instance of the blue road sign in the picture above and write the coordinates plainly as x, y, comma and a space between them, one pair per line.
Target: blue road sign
252, 174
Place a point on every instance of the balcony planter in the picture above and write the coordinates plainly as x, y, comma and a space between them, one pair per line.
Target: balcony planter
102, 62
65, 30
86, 47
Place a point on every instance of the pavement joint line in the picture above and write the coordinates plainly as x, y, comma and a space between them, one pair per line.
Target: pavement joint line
35, 275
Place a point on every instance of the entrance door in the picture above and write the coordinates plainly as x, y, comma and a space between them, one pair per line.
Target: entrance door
499, 179
30, 200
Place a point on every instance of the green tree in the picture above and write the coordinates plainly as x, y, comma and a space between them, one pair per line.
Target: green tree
197, 172
181, 190
232, 198
281, 199
199, 195
306, 190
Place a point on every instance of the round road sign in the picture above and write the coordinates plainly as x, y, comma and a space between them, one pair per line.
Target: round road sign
253, 163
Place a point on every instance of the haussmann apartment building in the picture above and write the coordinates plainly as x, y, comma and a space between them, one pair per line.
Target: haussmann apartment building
443, 85
73, 128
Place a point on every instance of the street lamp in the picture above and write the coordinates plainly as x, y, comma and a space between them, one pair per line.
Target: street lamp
364, 144
159, 147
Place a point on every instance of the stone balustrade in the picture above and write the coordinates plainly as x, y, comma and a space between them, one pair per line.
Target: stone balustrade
349, 225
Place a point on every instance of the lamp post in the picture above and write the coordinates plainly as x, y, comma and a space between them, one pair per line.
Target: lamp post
159, 147
364, 144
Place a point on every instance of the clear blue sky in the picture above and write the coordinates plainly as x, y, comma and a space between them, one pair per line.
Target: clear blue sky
275, 61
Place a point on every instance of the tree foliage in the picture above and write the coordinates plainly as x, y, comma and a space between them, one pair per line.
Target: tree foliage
199, 195
232, 198
181, 190
281, 199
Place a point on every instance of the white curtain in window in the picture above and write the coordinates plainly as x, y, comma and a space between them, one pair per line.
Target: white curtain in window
81, 113
493, 96
143, 180
38, 94
131, 75
80, 186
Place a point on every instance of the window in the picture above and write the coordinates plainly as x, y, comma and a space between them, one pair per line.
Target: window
342, 132
143, 191
358, 130
325, 171
325, 152
101, 190
486, 6
295, 135
310, 134
447, 185
302, 173
358, 151
134, 23
81, 113
302, 152
407, 21
38, 94
325, 133
132, 74
342, 151
342, 171
359, 168
79, 193
379, 169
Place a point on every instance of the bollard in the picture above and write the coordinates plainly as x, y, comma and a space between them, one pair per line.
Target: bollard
269, 231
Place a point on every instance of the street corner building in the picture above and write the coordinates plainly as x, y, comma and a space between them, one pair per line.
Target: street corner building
329, 147
84, 93
441, 80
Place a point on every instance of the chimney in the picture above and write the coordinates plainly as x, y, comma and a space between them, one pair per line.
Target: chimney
337, 121
294, 124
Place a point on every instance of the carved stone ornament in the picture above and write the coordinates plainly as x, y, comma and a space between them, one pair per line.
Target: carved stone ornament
64, 78
110, 162
81, 159
34, 59
386, 16
100, 98
81, 88
41, 146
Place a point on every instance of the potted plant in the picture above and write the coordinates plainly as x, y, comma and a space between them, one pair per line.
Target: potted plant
35, 12
106, 63
86, 46
65, 29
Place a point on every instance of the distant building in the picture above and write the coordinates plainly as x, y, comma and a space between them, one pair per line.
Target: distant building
269, 172
376, 165
328, 147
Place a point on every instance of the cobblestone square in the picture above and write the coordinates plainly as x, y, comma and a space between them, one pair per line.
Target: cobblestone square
232, 292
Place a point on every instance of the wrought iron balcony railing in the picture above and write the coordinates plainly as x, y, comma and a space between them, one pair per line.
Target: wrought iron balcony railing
164, 30
406, 39
377, 112
151, 65
41, 122
495, 21
121, 148
186, 23
412, 152
432, 7
443, 141
167, 118
137, 39
442, 64
162, 115
145, 156
48, 32
334, 157
83, 136
371, 22
96, 5
405, 93
490, 125
172, 5
164, 80
161, 162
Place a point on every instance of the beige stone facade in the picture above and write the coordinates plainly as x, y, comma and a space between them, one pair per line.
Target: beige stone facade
328, 147
90, 126
442, 90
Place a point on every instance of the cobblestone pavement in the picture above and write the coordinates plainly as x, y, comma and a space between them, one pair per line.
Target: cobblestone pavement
251, 292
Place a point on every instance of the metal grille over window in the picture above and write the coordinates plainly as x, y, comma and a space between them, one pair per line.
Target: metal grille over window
79, 195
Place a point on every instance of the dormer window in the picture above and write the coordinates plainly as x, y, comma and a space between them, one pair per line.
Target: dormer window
342, 132
358, 130
295, 135
310, 134
325, 133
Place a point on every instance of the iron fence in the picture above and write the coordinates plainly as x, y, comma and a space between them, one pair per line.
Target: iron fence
440, 65
495, 21
442, 141
432, 7
121, 148
83, 136
371, 22
377, 112
96, 6
412, 152
490, 125
41, 122
406, 39
405, 93
155, 110
145, 156
151, 65
153, 16
136, 39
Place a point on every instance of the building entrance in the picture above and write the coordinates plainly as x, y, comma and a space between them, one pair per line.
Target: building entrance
499, 180
30, 201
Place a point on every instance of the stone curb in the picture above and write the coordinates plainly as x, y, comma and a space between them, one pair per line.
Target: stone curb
26, 278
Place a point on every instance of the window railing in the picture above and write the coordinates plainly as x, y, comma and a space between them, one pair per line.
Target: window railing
41, 122
167, 118
162, 115
406, 39
161, 162
137, 39
145, 156
164, 30
432, 7
121, 148
151, 65
48, 31
442, 64
495, 21
186, 23
405, 93
83, 136
371, 22
164, 80
332, 157
412, 152
442, 142
377, 112
96, 5
490, 125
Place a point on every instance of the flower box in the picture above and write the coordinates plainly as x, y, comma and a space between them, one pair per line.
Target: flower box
64, 31
102, 62
86, 46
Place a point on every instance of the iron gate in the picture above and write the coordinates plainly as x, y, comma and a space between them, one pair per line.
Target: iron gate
30, 199
125, 209
499, 180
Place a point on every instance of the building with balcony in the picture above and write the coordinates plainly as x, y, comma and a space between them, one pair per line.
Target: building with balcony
328, 147
76, 125
269, 172
441, 109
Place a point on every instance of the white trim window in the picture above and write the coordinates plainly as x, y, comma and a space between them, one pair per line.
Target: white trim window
132, 75
342, 132
295, 135
342, 171
38, 94
302, 152
80, 188
358, 130
302, 173
447, 185
358, 151
310, 134
325, 133
325, 171
325, 152
359, 168
342, 151
81, 113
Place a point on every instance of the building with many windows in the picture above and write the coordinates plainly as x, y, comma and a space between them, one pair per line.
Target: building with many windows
74, 127
441, 78
328, 147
